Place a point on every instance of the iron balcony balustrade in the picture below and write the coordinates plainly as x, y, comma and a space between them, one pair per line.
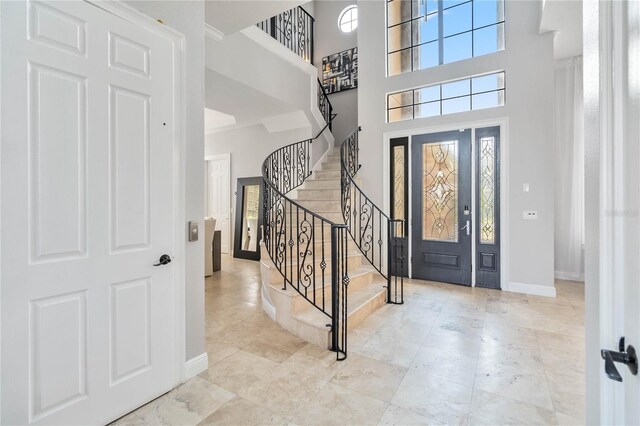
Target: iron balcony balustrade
378, 237
309, 251
293, 28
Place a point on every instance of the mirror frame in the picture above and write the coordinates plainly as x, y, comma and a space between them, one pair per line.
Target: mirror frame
238, 252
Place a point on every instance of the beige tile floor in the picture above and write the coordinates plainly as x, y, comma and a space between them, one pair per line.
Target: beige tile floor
450, 355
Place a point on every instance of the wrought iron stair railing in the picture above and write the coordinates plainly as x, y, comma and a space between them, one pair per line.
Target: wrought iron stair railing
293, 28
378, 237
308, 250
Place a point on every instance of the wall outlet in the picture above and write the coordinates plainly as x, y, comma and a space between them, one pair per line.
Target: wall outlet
529, 215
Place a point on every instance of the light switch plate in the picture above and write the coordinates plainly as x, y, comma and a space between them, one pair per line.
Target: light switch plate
193, 231
529, 215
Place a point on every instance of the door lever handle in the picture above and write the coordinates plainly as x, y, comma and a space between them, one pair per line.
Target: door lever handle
467, 227
627, 357
164, 259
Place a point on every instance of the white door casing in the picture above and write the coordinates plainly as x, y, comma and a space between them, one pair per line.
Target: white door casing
218, 196
612, 155
88, 206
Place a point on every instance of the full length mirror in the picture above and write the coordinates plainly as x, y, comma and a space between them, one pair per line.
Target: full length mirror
248, 218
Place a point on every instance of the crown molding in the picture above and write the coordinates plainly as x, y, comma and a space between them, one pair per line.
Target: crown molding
213, 33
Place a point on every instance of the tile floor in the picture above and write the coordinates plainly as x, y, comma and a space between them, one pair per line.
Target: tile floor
450, 355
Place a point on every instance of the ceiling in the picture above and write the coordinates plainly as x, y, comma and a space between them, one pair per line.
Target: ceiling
231, 104
564, 17
229, 16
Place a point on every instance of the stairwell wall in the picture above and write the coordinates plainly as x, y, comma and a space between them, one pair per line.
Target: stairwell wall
329, 39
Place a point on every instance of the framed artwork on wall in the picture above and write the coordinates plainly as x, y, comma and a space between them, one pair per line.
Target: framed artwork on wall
340, 71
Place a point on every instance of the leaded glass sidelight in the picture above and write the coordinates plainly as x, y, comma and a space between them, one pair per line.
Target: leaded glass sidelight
440, 191
398, 182
487, 190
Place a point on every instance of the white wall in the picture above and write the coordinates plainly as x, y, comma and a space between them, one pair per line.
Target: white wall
569, 168
187, 17
249, 146
528, 63
329, 39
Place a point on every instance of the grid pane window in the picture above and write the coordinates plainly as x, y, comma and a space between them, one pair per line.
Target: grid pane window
484, 91
427, 33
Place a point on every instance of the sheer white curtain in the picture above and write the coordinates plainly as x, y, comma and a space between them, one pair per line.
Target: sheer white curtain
569, 168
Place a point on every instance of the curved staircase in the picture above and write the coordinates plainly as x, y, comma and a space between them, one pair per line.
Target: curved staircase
329, 256
321, 194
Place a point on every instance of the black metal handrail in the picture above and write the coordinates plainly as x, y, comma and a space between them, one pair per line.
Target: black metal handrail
293, 28
325, 105
369, 226
309, 251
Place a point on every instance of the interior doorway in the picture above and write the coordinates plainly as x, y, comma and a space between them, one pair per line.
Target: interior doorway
219, 196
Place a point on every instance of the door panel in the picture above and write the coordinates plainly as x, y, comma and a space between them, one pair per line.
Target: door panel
487, 209
219, 198
441, 208
87, 209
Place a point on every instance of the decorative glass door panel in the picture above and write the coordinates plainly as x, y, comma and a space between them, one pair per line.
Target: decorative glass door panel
440, 191
487, 211
441, 201
487, 176
399, 182
399, 159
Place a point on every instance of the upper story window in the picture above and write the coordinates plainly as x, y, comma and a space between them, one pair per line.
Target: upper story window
467, 94
348, 19
427, 33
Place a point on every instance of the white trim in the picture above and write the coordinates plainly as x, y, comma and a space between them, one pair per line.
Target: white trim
503, 123
569, 276
213, 33
196, 365
218, 157
128, 13
474, 265
533, 289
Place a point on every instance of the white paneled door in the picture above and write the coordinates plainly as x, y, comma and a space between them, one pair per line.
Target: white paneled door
218, 199
87, 166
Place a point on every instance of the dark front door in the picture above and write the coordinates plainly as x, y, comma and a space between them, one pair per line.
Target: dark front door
441, 207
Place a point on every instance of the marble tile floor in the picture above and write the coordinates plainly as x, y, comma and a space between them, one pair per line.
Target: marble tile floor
450, 355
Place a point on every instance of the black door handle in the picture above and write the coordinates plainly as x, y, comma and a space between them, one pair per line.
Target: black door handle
627, 357
164, 259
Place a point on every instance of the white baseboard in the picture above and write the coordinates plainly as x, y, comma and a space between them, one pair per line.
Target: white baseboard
196, 365
533, 289
569, 276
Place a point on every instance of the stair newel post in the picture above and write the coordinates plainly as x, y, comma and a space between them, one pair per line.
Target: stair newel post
335, 289
390, 225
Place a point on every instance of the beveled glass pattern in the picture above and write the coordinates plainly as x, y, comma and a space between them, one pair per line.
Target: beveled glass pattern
440, 191
467, 94
487, 190
398, 183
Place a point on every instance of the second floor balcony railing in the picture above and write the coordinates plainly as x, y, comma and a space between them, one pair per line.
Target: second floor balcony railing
294, 29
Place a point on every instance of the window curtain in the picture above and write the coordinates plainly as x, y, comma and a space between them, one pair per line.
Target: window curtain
569, 168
